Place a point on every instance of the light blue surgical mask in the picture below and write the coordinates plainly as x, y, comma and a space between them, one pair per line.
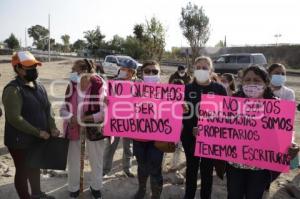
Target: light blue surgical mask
74, 77
278, 80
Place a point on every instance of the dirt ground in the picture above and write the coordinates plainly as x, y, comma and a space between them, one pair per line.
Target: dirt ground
116, 185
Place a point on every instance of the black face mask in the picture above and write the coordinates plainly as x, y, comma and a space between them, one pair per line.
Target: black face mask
31, 74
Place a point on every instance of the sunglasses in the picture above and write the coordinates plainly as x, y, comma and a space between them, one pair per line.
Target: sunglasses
149, 71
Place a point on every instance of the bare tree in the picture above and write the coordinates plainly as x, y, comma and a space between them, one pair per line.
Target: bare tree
195, 26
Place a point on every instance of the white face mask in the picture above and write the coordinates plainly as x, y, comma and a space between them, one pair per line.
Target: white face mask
201, 76
151, 78
123, 74
181, 74
253, 90
74, 77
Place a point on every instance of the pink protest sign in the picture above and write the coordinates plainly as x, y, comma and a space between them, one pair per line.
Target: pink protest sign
254, 132
146, 111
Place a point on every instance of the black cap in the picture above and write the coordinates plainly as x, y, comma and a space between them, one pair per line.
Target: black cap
181, 67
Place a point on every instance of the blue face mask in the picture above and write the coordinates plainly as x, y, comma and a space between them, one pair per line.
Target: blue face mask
278, 80
74, 77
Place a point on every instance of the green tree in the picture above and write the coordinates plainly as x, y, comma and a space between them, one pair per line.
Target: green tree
155, 39
40, 36
79, 45
176, 53
94, 41
133, 48
12, 42
66, 42
138, 31
195, 26
57, 47
220, 44
151, 36
116, 44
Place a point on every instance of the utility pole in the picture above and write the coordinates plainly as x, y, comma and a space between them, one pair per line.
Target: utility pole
25, 39
277, 36
49, 59
20, 42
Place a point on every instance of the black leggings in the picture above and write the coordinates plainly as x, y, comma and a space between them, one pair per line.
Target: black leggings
246, 183
192, 168
23, 174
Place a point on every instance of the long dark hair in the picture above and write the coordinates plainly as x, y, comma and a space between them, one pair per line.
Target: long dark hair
230, 78
274, 66
263, 74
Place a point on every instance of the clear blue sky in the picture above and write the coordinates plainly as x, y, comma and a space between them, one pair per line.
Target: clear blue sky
244, 22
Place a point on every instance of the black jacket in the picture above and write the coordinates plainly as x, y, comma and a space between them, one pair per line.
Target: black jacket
193, 94
35, 110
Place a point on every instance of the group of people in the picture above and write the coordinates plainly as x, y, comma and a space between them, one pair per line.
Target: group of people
29, 119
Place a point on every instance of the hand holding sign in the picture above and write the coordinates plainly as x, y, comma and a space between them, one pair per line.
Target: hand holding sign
195, 131
185, 108
73, 121
293, 151
255, 132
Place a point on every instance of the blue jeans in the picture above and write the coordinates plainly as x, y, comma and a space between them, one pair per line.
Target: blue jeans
149, 160
110, 150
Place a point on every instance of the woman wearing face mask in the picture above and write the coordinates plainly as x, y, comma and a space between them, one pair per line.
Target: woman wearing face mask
277, 73
202, 84
127, 72
85, 93
242, 180
228, 82
148, 157
28, 120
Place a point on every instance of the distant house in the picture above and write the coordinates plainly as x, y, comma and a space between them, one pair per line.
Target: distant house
3, 45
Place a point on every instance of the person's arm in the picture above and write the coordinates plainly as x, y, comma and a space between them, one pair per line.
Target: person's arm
52, 125
221, 91
99, 116
188, 122
186, 105
291, 95
50, 115
293, 150
12, 101
190, 79
63, 111
171, 78
51, 119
